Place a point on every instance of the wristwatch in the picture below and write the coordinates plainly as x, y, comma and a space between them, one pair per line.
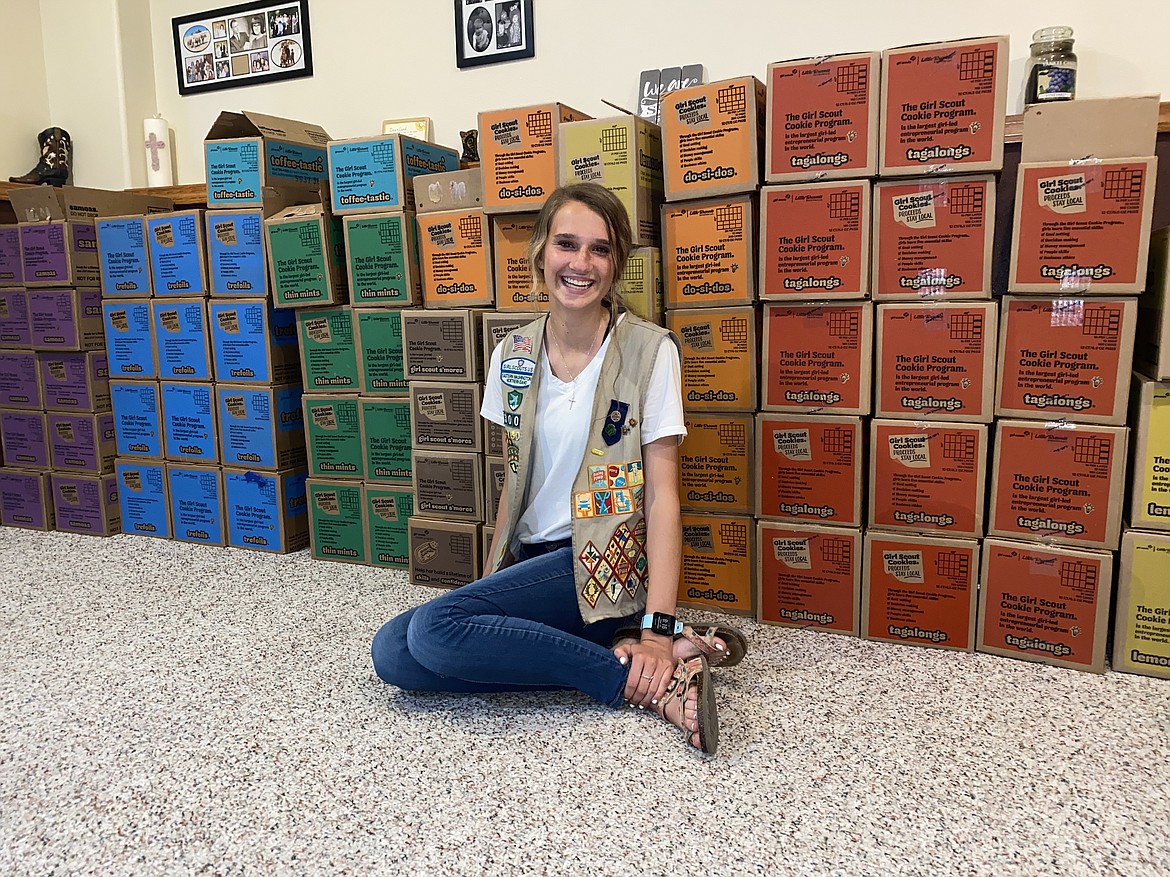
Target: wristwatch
662, 624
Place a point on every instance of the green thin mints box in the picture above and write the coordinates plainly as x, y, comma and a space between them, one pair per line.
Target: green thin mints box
386, 439
306, 257
378, 340
333, 431
381, 252
336, 524
328, 356
388, 509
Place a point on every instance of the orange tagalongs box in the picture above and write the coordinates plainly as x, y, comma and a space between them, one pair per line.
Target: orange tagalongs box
809, 576
1065, 358
1082, 228
718, 563
816, 358
936, 361
712, 138
456, 259
518, 149
810, 468
1060, 482
1046, 604
928, 476
708, 252
822, 119
920, 590
943, 107
814, 240
932, 239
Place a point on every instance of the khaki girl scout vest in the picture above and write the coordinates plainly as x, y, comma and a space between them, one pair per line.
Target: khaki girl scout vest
609, 529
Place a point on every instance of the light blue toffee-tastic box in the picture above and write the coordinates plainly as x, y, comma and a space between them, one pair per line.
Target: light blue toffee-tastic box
246, 152
123, 256
266, 510
196, 500
261, 427
129, 339
178, 264
142, 498
182, 339
253, 342
189, 422
137, 418
371, 174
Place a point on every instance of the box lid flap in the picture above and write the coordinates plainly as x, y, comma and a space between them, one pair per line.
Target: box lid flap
452, 190
1118, 127
44, 203
251, 124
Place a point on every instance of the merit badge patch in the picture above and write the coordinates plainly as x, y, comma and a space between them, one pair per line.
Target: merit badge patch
521, 344
611, 433
515, 397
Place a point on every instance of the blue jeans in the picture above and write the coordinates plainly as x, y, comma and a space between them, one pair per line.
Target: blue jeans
518, 629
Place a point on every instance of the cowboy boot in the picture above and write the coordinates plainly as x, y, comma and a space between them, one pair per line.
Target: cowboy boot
56, 157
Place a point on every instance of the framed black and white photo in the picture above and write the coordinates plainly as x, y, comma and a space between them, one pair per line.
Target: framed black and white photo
491, 31
245, 44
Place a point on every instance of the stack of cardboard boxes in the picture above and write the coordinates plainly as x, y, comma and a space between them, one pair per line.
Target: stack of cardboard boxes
55, 419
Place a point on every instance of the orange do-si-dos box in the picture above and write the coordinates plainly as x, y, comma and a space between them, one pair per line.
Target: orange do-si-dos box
456, 256
810, 468
920, 590
814, 240
932, 238
708, 252
511, 233
816, 358
518, 151
1065, 358
720, 356
927, 476
715, 463
943, 107
809, 576
1058, 482
718, 563
936, 360
712, 138
822, 119
1046, 604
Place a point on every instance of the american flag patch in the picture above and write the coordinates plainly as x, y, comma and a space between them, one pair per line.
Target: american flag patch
521, 344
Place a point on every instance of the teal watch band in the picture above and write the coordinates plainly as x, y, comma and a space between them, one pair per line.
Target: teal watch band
662, 624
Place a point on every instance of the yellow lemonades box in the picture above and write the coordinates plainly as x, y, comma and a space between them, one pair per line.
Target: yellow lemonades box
624, 154
1150, 488
1141, 628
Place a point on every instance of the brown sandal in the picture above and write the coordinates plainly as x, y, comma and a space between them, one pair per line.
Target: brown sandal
703, 637
687, 673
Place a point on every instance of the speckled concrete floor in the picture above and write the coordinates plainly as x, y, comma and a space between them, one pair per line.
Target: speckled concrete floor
175, 709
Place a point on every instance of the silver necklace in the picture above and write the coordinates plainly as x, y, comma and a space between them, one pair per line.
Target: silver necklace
564, 362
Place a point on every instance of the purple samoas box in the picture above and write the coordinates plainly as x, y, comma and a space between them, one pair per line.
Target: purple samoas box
25, 500
82, 442
14, 326
75, 381
11, 270
20, 381
25, 439
86, 503
59, 253
66, 319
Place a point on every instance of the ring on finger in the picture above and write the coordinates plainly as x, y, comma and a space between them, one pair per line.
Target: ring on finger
651, 678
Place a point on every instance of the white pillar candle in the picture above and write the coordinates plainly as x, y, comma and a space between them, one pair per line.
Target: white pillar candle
157, 142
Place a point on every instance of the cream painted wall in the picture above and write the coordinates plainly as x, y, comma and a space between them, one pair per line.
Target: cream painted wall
25, 111
376, 59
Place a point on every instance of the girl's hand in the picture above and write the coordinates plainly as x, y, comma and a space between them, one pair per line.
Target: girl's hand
651, 665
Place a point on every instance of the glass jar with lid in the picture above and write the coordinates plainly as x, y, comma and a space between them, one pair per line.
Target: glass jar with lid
1052, 68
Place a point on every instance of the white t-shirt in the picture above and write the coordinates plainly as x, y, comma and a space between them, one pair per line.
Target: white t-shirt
563, 432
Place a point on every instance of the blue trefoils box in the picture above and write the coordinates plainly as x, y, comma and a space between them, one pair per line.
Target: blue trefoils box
261, 427
182, 339
123, 256
142, 498
129, 339
253, 342
196, 499
177, 262
189, 422
245, 152
371, 174
266, 510
235, 251
137, 418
